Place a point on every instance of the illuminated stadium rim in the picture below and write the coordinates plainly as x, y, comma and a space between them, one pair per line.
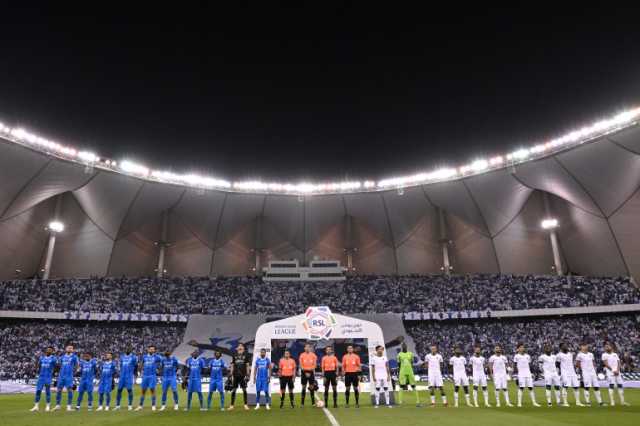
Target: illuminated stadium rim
596, 130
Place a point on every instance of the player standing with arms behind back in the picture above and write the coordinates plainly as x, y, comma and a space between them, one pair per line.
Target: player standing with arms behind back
381, 375
434, 363
522, 360
406, 377
460, 378
351, 368
216, 382
568, 374
479, 376
150, 363
46, 365
585, 361
169, 371
107, 374
262, 378
550, 372
611, 363
308, 363
88, 369
498, 369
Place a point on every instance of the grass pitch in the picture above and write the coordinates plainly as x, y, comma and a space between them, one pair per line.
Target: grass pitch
14, 412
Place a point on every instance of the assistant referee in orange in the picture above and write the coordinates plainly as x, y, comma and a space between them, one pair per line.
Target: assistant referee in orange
351, 369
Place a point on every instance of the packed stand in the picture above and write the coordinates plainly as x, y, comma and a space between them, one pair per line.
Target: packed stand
622, 330
22, 342
359, 294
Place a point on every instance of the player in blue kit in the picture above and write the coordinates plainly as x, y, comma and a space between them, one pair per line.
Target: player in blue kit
169, 369
68, 364
150, 363
194, 366
107, 374
128, 366
46, 365
216, 383
88, 369
261, 377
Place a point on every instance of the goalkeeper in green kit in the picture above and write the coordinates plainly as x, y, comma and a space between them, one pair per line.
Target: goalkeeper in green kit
405, 373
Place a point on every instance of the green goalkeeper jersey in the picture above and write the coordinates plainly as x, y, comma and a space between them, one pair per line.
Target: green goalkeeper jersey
405, 362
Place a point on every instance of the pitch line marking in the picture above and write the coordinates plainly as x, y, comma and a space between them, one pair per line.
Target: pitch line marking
332, 419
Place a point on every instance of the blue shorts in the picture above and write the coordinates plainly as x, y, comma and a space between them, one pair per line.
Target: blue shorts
85, 386
216, 385
105, 386
194, 386
42, 382
149, 382
169, 382
65, 382
262, 386
125, 384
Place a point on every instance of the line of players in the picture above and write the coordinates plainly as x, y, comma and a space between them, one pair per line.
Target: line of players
498, 367
68, 365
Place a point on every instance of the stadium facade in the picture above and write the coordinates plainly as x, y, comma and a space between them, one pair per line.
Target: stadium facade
117, 223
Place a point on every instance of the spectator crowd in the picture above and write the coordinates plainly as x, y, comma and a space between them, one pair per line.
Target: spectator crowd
22, 342
358, 294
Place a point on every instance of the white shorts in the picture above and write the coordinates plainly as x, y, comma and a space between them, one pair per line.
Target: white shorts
552, 380
480, 380
525, 381
570, 381
382, 383
590, 380
614, 380
435, 380
461, 380
500, 382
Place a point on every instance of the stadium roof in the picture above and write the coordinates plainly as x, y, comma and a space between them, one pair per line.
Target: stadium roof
113, 212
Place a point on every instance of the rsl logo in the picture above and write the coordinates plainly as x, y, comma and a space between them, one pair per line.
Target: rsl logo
319, 322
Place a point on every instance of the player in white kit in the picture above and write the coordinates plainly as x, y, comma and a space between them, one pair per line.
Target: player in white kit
460, 378
611, 363
381, 375
498, 369
568, 374
585, 362
549, 369
522, 361
479, 376
434, 363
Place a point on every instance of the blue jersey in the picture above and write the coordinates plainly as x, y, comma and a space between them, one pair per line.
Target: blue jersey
262, 368
107, 370
169, 367
195, 366
150, 364
127, 366
88, 370
47, 365
217, 366
68, 364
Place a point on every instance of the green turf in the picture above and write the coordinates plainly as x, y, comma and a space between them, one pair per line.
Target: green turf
14, 411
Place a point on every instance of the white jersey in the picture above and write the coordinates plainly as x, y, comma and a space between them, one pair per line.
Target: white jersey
379, 365
522, 361
566, 364
433, 363
499, 365
477, 365
586, 363
458, 363
548, 365
612, 360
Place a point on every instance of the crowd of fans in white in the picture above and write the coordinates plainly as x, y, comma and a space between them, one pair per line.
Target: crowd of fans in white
358, 294
23, 342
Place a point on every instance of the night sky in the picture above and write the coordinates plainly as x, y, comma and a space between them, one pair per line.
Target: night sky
314, 92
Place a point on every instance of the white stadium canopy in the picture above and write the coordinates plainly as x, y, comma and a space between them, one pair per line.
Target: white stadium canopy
116, 215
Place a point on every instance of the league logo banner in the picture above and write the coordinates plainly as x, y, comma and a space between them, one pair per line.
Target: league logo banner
319, 322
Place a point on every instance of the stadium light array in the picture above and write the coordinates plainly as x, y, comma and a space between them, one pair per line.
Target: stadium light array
549, 223
56, 226
481, 165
